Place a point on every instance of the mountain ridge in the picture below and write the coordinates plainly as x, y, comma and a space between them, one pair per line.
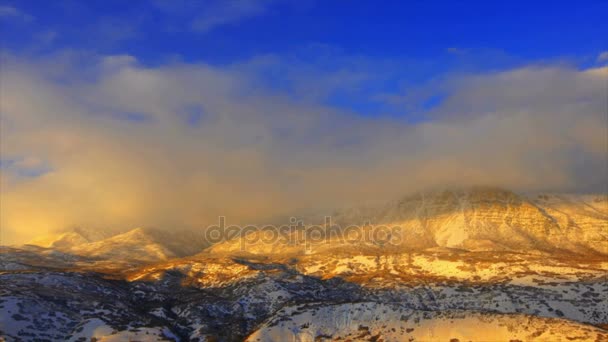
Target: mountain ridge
485, 262
473, 219
481, 219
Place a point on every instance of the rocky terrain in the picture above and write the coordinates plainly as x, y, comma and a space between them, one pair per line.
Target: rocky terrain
476, 264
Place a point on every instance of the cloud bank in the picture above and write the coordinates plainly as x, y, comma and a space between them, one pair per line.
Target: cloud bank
116, 143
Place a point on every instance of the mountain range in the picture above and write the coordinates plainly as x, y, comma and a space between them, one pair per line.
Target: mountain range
464, 264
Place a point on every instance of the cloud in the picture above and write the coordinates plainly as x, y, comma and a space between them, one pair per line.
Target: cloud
226, 12
315, 72
603, 57
12, 12
209, 15
255, 153
8, 11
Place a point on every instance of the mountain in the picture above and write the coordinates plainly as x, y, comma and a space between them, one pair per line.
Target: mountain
139, 245
134, 245
60, 241
472, 264
477, 219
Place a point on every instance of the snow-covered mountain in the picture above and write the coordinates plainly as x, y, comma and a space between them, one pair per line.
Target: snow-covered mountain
477, 219
139, 245
477, 264
134, 245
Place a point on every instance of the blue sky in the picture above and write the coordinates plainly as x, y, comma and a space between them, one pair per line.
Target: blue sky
228, 31
175, 112
401, 42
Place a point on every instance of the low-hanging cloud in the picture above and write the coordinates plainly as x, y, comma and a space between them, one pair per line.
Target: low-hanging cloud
117, 143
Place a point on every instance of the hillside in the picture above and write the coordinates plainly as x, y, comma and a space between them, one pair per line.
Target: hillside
392, 322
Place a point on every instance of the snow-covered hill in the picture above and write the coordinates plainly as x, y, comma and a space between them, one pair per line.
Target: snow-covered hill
392, 322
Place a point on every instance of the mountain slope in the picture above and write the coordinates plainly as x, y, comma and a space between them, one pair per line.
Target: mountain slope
135, 245
142, 245
60, 241
477, 219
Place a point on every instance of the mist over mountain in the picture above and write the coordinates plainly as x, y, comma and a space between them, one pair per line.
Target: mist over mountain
256, 157
272, 170
474, 219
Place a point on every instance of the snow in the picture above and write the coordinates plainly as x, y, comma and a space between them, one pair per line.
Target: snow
101, 331
364, 321
92, 328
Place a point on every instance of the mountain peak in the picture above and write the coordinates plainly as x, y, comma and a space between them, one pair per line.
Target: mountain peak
60, 241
